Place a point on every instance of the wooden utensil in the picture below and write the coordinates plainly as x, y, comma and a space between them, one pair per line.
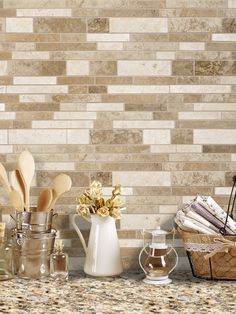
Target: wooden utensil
17, 183
16, 200
60, 184
4, 178
26, 167
44, 200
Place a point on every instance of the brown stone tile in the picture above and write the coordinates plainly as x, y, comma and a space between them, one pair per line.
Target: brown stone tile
182, 80
47, 68
116, 137
24, 37
229, 25
197, 178
76, 98
162, 191
120, 149
189, 37
131, 166
78, 89
103, 68
44, 178
59, 25
192, 98
71, 80
168, 98
97, 89
220, 46
182, 68
160, 115
219, 149
5, 55
192, 190
143, 80
116, 80
129, 13
189, 12
210, 124
180, 107
98, 25
150, 37
145, 107
104, 177
66, 47
7, 12
22, 107
181, 136
129, 98
6, 80
99, 124
215, 67
22, 124
6, 124
9, 98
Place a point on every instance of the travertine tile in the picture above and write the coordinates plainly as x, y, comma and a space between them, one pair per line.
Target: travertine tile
116, 137
103, 68
32, 80
133, 89
28, 68
231, 3
142, 68
182, 68
148, 221
78, 137
138, 25
192, 46
214, 136
109, 46
215, 68
143, 124
59, 25
194, 89
197, 178
196, 4
70, 115
199, 115
144, 178
33, 55
77, 67
105, 107
224, 37
214, 107
98, 25
3, 67
181, 136
107, 37
191, 24
43, 12
37, 136
229, 25
24, 89
3, 137
156, 137
19, 25
165, 55
68, 124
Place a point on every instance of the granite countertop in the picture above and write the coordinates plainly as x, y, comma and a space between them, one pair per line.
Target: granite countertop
127, 294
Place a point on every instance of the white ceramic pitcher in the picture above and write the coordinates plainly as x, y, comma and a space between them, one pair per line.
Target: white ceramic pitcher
103, 251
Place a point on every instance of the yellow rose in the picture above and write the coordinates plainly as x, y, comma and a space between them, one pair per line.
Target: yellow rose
83, 210
95, 190
103, 211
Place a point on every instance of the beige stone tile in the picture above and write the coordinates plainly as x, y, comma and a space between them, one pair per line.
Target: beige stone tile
141, 178
228, 115
78, 136
222, 190
103, 68
32, 55
183, 67
138, 25
231, 3
25, 46
197, 178
168, 209
214, 136
58, 166
68, 124
107, 37
165, 55
32, 98
59, 25
139, 89
108, 116
6, 149
109, 46
116, 137
70, 115
192, 24
140, 68
194, 89
105, 107
24, 89
42, 68
2, 107
77, 67
176, 148
33, 80
131, 166
199, 115
37, 136
191, 46
182, 136
19, 25
205, 124
156, 137
7, 115
196, 4
43, 12
143, 124
4, 137
3, 67
148, 221
223, 37
2, 89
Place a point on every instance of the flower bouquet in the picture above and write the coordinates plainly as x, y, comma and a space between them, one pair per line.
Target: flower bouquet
93, 202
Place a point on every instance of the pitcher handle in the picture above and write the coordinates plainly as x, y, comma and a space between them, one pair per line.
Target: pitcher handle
139, 258
79, 232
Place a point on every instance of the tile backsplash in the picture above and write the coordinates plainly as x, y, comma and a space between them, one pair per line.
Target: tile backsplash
140, 93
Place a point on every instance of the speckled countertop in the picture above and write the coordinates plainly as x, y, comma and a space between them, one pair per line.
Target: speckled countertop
127, 294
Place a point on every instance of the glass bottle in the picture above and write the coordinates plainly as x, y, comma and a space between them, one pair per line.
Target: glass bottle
59, 263
6, 257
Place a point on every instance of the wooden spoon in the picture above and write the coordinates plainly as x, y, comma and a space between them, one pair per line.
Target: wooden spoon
16, 200
26, 167
17, 183
60, 184
4, 178
44, 200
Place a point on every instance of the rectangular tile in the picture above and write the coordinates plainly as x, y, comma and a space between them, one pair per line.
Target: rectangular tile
107, 37
35, 68
59, 25
103, 68
109, 46
199, 115
156, 137
43, 12
137, 89
3, 67
78, 136
141, 68
71, 115
232, 4
77, 67
215, 106
212, 136
68, 124
138, 25
165, 55
195, 24
34, 80
147, 221
37, 136
3, 137
191, 46
19, 25
24, 89
32, 55
144, 178
224, 37
105, 107
142, 124
196, 89
197, 178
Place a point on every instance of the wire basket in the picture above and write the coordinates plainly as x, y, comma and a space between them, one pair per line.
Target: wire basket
211, 256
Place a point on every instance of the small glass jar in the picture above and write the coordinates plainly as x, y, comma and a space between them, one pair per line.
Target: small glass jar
6, 260
59, 263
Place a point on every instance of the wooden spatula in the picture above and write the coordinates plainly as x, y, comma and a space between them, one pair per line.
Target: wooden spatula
60, 184
17, 183
26, 167
44, 200
4, 178
16, 200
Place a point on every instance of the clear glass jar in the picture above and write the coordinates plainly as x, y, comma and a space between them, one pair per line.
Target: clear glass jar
59, 269
6, 260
